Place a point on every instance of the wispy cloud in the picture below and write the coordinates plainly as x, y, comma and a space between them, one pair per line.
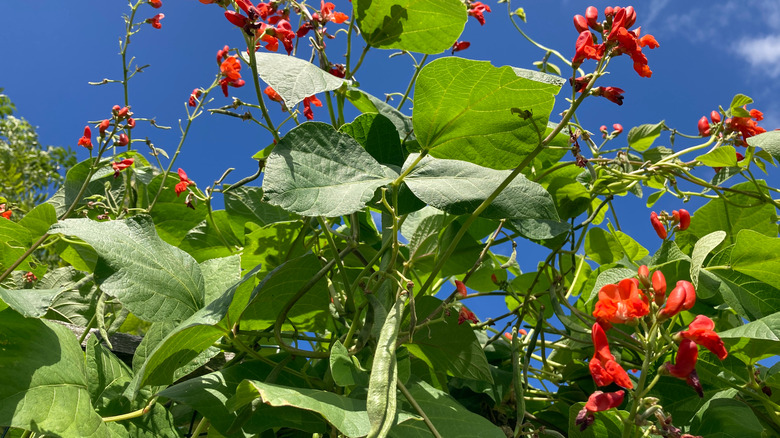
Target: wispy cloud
763, 53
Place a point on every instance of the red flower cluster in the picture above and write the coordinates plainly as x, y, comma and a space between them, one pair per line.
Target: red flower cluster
230, 68
464, 314
680, 220
275, 29
477, 10
183, 183
321, 18
745, 127
617, 129
119, 166
616, 38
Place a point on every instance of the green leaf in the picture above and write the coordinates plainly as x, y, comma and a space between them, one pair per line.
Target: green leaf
348, 415
107, 376
39, 219
758, 256
14, 234
447, 346
424, 26
724, 156
377, 134
270, 245
463, 110
316, 171
244, 204
212, 238
700, 251
605, 248
209, 394
641, 137
346, 369
449, 417
172, 219
755, 340
724, 417
368, 104
74, 179
459, 187
768, 141
43, 386
737, 103
31, 303
293, 78
220, 274
278, 287
153, 279
189, 340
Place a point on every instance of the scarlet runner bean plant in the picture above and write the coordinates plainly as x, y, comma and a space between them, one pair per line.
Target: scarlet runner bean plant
332, 296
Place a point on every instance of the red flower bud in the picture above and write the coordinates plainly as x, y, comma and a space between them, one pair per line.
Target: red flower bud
157, 4
130, 123
715, 117
704, 126
644, 274
659, 287
580, 23
608, 11
461, 288
155, 21
740, 157
618, 128
685, 220
103, 126
458, 46
682, 297
123, 140
658, 226
86, 139
592, 15
122, 113
115, 109
630, 17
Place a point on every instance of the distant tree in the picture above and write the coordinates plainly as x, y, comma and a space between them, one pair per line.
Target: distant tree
29, 169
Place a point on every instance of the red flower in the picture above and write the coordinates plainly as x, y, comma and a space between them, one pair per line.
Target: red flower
700, 331
327, 14
682, 297
465, 314
307, 103
193, 101
477, 9
617, 127
579, 84
685, 365
30, 277
272, 94
155, 21
86, 139
183, 183
157, 4
658, 226
629, 42
585, 48
130, 123
746, 126
620, 303
222, 54
603, 366
598, 402
338, 70
7, 214
230, 68
121, 165
460, 45
683, 218
123, 140
613, 94
461, 288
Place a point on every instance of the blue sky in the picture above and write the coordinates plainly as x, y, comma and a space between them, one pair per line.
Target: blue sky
50, 49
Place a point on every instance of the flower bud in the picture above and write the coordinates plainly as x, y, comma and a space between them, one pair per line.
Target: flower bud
103, 126
130, 123
644, 275
618, 128
122, 113
461, 288
685, 220
608, 11
704, 126
123, 140
630, 17
592, 16
580, 23
658, 226
715, 117
659, 287
682, 297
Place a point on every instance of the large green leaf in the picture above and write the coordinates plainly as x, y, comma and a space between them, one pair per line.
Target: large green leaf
642, 137
348, 415
153, 279
31, 303
768, 141
368, 104
700, 251
316, 171
724, 156
39, 219
188, 341
447, 346
43, 385
463, 110
605, 247
107, 376
449, 417
212, 238
271, 245
377, 134
425, 26
293, 78
758, 256
724, 417
459, 187
278, 287
244, 204
14, 234
755, 340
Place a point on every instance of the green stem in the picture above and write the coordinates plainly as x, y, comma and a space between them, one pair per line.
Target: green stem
419, 409
640, 387
250, 53
134, 414
417, 68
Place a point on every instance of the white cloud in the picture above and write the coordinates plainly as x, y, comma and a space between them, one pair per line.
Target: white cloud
762, 53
